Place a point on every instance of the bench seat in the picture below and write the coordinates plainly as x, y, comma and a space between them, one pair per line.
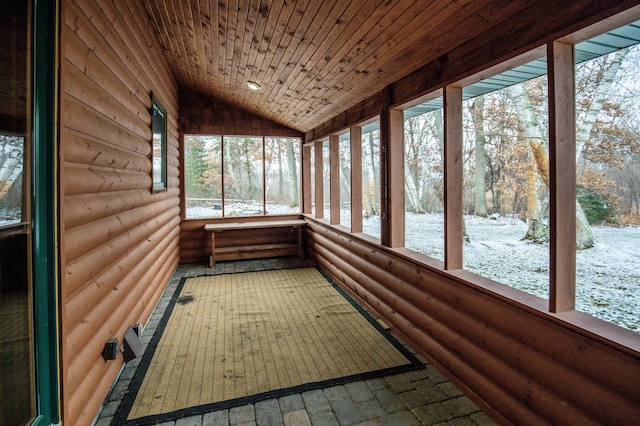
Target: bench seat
243, 251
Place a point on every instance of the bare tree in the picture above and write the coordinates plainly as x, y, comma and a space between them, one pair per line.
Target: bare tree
477, 116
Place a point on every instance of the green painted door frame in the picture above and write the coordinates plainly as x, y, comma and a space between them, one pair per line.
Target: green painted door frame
44, 213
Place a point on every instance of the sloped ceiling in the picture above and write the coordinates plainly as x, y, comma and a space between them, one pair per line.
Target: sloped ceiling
313, 59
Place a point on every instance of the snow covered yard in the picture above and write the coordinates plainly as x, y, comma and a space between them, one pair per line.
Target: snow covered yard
607, 275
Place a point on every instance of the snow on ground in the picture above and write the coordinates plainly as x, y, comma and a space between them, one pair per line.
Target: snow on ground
239, 209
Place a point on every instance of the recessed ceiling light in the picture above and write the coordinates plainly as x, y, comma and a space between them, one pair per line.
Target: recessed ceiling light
253, 85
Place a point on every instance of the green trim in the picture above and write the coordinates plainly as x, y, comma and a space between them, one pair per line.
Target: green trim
44, 217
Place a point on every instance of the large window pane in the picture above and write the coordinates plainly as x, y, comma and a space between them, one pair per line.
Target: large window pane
159, 146
608, 191
506, 182
243, 176
11, 176
203, 176
371, 180
344, 147
17, 376
326, 177
312, 183
424, 179
282, 162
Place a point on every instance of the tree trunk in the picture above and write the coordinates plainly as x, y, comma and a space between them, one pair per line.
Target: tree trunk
293, 172
477, 110
584, 233
413, 181
599, 96
539, 163
375, 171
534, 229
280, 174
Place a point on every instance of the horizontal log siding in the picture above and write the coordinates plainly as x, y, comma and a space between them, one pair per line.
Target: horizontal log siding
522, 366
195, 242
119, 241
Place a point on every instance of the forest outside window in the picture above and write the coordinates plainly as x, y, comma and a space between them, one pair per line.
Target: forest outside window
11, 178
159, 146
424, 178
371, 179
344, 150
229, 176
506, 178
509, 186
607, 105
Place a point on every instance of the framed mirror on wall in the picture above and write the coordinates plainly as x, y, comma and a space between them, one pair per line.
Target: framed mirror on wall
159, 146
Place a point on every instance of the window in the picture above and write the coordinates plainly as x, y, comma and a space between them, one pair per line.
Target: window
371, 179
243, 166
282, 175
607, 177
12, 194
159, 146
241, 176
203, 175
344, 148
312, 182
326, 180
500, 227
424, 178
505, 179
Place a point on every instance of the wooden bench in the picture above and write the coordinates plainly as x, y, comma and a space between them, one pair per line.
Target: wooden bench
258, 250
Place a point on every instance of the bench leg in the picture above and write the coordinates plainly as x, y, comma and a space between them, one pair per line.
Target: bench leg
212, 258
300, 250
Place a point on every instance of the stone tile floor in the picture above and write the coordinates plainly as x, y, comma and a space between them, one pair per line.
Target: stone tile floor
422, 397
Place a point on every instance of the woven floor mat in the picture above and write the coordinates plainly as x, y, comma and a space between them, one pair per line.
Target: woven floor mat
238, 338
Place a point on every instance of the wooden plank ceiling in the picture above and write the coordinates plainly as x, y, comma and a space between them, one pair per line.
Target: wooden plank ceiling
313, 58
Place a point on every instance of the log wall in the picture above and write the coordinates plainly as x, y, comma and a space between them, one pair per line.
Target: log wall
119, 242
520, 364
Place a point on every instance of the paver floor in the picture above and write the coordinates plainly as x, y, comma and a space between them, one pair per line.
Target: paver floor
421, 397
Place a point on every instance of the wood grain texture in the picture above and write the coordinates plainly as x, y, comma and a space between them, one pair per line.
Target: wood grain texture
562, 158
202, 115
355, 156
453, 171
119, 242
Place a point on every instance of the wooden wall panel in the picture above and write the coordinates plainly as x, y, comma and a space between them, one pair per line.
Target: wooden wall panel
202, 115
119, 241
519, 365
